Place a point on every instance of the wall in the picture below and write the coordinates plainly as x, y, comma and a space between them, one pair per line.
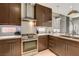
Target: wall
23, 10
27, 10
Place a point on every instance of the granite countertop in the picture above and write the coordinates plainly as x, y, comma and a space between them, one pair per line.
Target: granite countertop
42, 34
59, 35
10, 37
68, 38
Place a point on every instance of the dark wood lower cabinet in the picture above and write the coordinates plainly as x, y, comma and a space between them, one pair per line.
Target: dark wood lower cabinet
56, 45
10, 47
73, 51
63, 46
72, 48
42, 43
52, 43
60, 47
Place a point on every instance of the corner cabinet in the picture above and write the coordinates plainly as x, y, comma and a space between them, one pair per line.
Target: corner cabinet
10, 47
43, 15
57, 45
42, 42
63, 47
10, 14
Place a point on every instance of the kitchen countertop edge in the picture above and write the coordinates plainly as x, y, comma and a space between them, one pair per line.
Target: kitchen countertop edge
59, 36
9, 37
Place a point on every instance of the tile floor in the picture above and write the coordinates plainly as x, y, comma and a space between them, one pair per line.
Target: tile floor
46, 52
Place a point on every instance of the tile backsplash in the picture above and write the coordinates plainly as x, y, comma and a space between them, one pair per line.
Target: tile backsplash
9, 29
41, 29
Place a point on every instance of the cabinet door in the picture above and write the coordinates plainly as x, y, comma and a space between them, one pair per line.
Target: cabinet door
47, 21
72, 48
42, 43
48, 14
72, 51
42, 14
5, 50
4, 13
60, 47
10, 47
15, 13
39, 14
15, 47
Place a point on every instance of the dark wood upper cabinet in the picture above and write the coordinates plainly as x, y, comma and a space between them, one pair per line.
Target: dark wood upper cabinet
38, 14
15, 13
42, 43
4, 13
42, 14
10, 13
48, 14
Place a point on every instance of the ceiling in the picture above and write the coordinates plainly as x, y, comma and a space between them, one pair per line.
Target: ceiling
62, 8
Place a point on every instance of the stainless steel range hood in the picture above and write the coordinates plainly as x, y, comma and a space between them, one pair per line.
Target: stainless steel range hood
27, 11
